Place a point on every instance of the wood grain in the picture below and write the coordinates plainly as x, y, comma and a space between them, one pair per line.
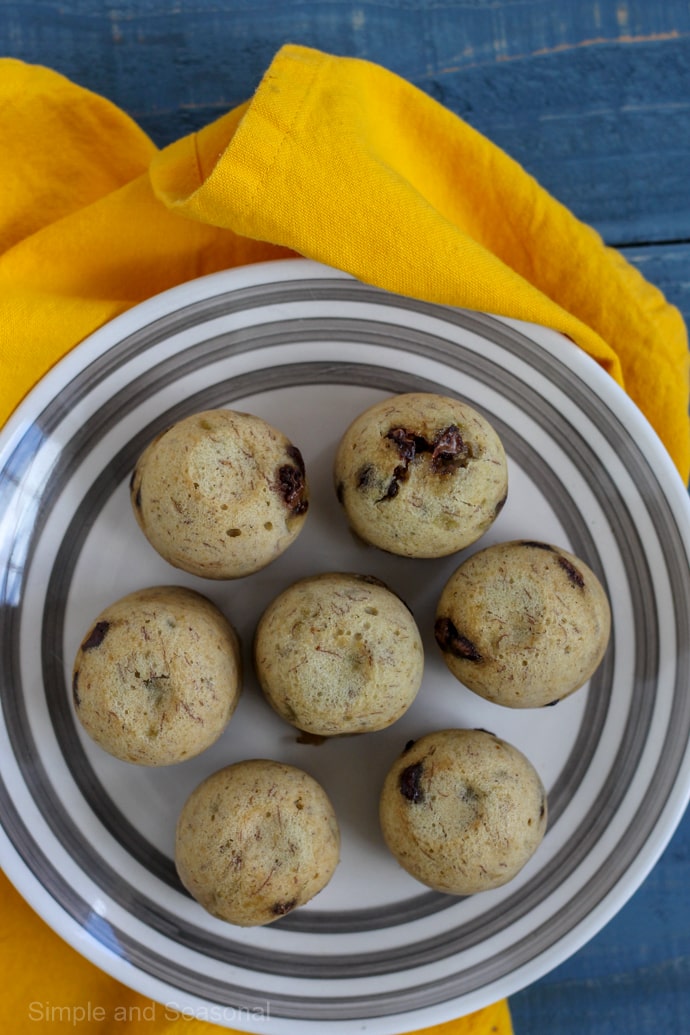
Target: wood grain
593, 98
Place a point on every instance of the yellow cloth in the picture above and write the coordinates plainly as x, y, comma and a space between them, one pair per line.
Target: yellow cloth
335, 159
44, 980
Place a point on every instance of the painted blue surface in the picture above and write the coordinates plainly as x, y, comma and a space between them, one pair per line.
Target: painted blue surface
593, 98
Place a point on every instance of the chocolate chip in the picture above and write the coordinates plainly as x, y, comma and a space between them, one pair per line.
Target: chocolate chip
296, 457
410, 783
407, 442
453, 642
399, 474
281, 908
500, 505
550, 704
537, 545
408, 445
75, 689
137, 499
573, 573
340, 492
291, 488
96, 636
449, 450
365, 476
407, 747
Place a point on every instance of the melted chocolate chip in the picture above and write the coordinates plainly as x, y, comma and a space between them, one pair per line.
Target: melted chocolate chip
340, 492
137, 499
291, 488
75, 689
500, 505
408, 746
296, 457
537, 545
449, 450
453, 642
573, 573
408, 443
410, 783
365, 476
281, 908
96, 636
399, 474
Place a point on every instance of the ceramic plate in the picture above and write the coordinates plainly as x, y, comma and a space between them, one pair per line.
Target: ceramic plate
88, 840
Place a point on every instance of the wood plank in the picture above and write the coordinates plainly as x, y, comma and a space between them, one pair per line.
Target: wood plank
634, 976
593, 98
667, 266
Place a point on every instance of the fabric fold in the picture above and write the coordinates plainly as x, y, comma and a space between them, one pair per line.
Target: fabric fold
396, 190
335, 159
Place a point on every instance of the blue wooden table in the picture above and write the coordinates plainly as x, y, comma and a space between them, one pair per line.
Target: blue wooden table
593, 98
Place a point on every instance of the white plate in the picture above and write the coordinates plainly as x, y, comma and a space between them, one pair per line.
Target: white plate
88, 840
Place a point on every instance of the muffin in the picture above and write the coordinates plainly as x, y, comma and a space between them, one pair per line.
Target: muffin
420, 475
158, 676
338, 653
220, 494
523, 623
256, 840
462, 811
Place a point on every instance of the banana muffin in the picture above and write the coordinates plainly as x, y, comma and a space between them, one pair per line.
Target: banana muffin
220, 494
256, 840
420, 475
523, 623
339, 653
462, 811
158, 676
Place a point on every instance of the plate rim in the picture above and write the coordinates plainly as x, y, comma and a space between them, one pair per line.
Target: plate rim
206, 287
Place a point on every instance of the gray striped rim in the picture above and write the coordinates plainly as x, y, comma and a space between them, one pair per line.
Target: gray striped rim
646, 648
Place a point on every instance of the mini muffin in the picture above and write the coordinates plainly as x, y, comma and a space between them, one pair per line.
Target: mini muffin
256, 840
220, 494
158, 676
462, 811
523, 623
339, 653
420, 475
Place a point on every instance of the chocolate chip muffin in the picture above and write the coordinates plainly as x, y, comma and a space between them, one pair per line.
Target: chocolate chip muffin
339, 653
256, 840
220, 494
462, 811
420, 475
523, 623
157, 676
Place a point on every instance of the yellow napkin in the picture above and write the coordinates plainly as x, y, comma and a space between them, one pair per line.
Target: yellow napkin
335, 159
46, 981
